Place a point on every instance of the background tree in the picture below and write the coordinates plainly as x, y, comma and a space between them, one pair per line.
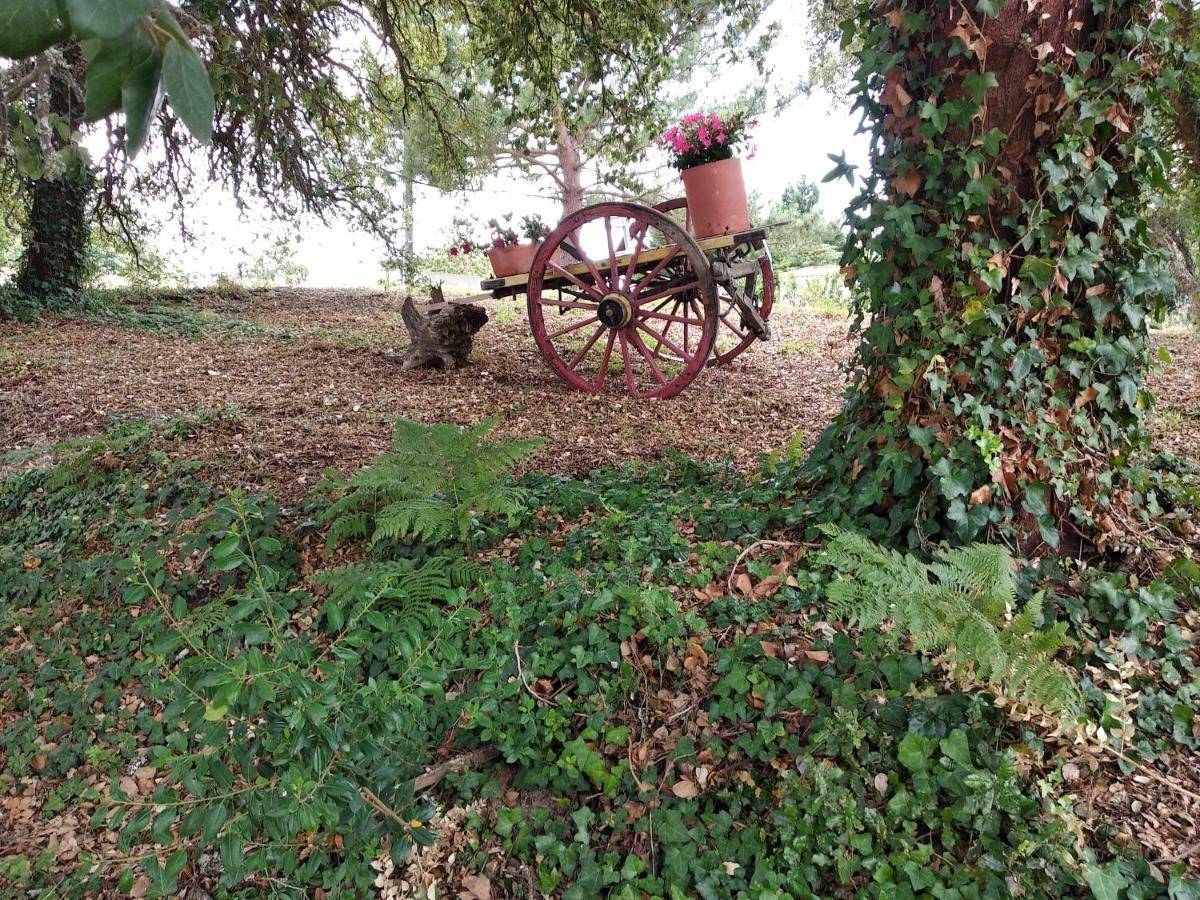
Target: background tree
297, 90
1003, 272
800, 234
585, 125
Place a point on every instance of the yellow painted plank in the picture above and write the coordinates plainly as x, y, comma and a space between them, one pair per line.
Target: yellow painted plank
648, 257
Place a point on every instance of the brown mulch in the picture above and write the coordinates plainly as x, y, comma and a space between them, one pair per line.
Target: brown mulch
327, 398
1159, 817
1176, 388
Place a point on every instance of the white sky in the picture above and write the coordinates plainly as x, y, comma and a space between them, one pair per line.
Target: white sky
792, 144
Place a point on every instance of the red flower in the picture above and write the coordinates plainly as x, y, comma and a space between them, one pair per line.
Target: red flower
454, 251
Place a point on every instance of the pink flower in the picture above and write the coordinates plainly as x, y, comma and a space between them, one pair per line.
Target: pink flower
721, 137
702, 133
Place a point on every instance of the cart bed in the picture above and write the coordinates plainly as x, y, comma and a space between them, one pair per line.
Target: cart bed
649, 256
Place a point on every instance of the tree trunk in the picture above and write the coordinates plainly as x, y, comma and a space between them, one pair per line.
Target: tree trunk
409, 268
1003, 278
56, 239
570, 160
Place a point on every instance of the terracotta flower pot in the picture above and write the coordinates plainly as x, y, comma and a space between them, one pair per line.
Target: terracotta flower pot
516, 259
716, 198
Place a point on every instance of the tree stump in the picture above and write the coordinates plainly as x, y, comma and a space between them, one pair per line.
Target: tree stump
444, 335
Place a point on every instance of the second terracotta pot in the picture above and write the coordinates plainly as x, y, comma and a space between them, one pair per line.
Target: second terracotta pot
516, 259
716, 197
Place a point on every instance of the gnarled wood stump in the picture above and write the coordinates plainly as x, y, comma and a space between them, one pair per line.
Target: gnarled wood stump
443, 335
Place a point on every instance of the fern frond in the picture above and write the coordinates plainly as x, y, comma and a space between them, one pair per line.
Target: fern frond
429, 485
957, 605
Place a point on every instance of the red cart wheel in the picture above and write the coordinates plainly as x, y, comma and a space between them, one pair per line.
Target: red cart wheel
734, 335
679, 206
602, 320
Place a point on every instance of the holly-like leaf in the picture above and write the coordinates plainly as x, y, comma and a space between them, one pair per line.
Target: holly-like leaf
106, 18
141, 96
189, 90
108, 68
29, 26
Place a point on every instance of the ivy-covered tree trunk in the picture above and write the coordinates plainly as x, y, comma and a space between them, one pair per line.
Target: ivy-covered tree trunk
53, 261
1002, 274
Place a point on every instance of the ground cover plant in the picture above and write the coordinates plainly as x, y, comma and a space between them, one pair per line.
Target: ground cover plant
596, 698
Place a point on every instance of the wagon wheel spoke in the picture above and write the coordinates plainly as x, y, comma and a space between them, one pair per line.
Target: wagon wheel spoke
591, 342
631, 268
613, 283
672, 316
628, 368
672, 252
740, 334
641, 348
601, 286
589, 289
667, 342
586, 322
568, 304
608, 349
668, 292
675, 303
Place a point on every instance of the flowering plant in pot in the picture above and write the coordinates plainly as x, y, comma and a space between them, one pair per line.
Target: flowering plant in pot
505, 250
702, 148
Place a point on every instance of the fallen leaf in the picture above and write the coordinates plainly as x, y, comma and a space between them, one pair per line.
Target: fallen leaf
476, 887
685, 790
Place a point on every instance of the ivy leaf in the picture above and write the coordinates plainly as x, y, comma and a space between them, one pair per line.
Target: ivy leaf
954, 747
913, 752
188, 89
1023, 362
1106, 882
977, 84
106, 18
29, 26
842, 169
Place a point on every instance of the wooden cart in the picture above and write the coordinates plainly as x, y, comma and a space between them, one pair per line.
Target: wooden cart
621, 292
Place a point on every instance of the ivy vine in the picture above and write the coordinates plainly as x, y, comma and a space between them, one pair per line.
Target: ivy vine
1002, 272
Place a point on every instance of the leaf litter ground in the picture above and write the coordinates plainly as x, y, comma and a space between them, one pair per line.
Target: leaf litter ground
312, 379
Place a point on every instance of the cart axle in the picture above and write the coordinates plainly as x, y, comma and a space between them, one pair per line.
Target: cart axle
615, 310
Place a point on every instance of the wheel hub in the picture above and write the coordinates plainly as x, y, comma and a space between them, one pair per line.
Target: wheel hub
615, 311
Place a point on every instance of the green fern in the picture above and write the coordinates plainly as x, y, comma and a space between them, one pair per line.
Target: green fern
401, 581
962, 605
91, 464
433, 483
